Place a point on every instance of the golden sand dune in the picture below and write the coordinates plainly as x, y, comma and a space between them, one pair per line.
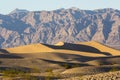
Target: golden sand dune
59, 44
64, 59
101, 47
82, 70
87, 54
91, 49
33, 48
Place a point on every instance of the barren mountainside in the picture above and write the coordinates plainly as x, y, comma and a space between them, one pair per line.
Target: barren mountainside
22, 27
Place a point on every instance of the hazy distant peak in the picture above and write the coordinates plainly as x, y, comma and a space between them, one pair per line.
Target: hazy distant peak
105, 10
19, 11
74, 8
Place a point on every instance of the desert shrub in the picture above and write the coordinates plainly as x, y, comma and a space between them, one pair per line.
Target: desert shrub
16, 73
10, 73
35, 70
58, 75
32, 78
80, 77
0, 62
113, 63
29, 77
48, 70
114, 69
75, 65
49, 74
66, 66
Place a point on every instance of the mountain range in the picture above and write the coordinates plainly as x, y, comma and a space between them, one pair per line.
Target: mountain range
22, 27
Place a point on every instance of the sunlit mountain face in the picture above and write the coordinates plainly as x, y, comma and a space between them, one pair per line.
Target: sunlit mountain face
22, 27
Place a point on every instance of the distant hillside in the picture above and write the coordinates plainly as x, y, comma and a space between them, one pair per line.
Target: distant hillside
22, 27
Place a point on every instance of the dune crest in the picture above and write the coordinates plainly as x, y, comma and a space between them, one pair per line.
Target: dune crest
32, 48
101, 47
59, 44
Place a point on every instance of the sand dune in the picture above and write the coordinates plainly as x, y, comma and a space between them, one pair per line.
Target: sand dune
88, 54
92, 49
59, 44
33, 48
69, 60
85, 70
101, 47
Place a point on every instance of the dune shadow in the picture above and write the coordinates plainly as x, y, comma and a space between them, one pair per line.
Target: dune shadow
46, 77
4, 51
5, 54
17, 68
79, 58
106, 53
76, 57
78, 47
10, 56
66, 64
69, 58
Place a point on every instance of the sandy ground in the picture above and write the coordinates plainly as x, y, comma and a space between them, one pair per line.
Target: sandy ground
101, 76
64, 61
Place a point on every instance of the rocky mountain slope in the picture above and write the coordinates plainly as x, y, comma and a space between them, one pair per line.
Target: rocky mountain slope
22, 27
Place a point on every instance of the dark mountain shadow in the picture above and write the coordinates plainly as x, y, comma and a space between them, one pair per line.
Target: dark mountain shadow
78, 47
107, 23
13, 24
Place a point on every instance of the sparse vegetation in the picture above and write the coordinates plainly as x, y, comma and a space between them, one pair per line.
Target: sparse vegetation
49, 74
0, 62
114, 69
56, 65
35, 70
13, 73
75, 65
67, 65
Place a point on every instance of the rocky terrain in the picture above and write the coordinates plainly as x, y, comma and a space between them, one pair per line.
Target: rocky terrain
102, 76
22, 27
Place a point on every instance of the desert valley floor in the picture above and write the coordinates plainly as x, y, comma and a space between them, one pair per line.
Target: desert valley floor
62, 61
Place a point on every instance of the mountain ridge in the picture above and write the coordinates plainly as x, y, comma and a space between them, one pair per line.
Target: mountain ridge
66, 25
